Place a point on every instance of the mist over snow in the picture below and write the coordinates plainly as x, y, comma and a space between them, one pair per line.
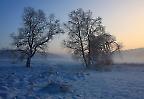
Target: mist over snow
60, 77
130, 56
126, 56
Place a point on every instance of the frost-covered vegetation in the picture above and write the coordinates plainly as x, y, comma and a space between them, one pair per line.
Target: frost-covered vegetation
68, 80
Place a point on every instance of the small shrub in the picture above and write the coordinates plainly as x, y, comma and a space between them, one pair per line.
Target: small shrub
65, 88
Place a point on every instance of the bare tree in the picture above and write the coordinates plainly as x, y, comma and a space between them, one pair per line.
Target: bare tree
80, 26
36, 32
75, 28
86, 35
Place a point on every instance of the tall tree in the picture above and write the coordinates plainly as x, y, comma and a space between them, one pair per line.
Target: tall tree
77, 34
83, 30
36, 32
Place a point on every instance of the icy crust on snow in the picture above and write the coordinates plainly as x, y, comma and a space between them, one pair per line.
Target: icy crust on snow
55, 82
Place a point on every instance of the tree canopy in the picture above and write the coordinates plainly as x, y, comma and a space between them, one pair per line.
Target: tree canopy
88, 39
36, 32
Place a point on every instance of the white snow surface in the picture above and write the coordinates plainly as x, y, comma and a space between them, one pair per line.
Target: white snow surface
44, 81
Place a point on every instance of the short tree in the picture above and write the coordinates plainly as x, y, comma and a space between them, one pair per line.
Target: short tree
102, 48
36, 32
86, 35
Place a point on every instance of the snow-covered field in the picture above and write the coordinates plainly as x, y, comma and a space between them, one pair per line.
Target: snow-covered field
67, 80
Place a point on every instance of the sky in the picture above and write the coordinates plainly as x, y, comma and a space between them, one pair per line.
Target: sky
122, 18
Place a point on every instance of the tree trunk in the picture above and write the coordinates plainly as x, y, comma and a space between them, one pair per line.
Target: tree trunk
83, 54
28, 62
89, 43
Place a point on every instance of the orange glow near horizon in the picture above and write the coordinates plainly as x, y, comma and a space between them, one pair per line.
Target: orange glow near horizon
127, 24
131, 33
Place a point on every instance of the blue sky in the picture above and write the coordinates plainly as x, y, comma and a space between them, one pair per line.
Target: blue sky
123, 18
